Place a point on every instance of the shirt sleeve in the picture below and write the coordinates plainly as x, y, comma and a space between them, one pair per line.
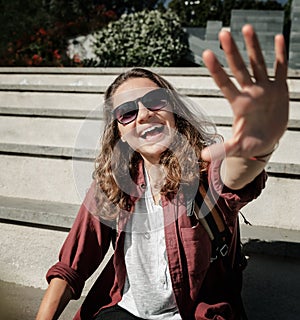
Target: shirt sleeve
235, 199
84, 248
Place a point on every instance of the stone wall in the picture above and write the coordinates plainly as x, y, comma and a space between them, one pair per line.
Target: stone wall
294, 49
267, 24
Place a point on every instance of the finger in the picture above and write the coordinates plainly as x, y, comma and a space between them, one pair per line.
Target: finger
256, 58
234, 59
220, 76
280, 59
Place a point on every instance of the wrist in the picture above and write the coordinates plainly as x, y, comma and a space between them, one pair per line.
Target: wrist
264, 157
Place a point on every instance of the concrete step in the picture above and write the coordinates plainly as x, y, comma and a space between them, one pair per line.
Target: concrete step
60, 216
277, 206
52, 180
79, 138
50, 104
22, 302
184, 71
164, 71
40, 213
92, 83
50, 136
28, 252
42, 133
263, 285
82, 105
219, 110
269, 278
47, 145
42, 178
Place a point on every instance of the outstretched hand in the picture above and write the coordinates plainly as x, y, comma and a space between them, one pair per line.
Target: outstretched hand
260, 105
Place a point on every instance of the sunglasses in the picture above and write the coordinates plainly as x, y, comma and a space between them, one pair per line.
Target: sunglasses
153, 101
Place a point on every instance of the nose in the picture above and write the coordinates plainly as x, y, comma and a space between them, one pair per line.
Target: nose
144, 114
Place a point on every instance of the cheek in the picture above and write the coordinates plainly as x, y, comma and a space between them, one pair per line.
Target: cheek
171, 120
122, 129
127, 133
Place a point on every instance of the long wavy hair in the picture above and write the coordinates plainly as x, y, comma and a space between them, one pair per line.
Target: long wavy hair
117, 163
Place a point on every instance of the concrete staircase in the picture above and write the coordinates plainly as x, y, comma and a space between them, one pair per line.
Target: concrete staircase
50, 121
294, 48
267, 24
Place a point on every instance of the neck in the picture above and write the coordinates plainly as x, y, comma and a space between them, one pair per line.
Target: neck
156, 173
150, 162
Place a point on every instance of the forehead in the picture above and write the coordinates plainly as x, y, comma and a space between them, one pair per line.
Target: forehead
132, 89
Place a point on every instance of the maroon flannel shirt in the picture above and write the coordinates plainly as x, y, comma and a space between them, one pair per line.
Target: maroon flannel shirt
202, 289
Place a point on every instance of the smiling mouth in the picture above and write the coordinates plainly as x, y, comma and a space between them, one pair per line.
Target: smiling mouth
152, 132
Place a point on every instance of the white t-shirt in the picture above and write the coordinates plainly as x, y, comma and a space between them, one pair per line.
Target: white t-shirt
148, 289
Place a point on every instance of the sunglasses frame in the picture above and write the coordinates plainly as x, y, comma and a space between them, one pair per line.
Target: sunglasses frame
135, 106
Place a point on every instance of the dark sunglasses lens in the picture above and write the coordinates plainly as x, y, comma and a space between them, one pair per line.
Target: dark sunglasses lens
126, 113
155, 100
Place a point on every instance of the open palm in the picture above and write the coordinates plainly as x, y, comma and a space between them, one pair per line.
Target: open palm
260, 105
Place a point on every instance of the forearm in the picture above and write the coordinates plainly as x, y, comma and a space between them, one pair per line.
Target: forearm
55, 300
236, 172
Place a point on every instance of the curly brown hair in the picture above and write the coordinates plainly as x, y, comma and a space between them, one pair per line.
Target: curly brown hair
117, 163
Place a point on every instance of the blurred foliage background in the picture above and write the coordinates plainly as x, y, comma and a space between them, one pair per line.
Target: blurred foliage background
144, 38
36, 32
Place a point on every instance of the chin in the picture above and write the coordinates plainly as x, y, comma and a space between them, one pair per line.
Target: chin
152, 152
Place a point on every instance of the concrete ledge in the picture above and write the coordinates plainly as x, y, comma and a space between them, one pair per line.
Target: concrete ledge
40, 151
85, 105
61, 216
268, 281
55, 137
78, 138
282, 225
47, 151
53, 88
193, 91
45, 144
90, 154
271, 241
44, 178
102, 71
28, 252
268, 234
22, 302
200, 71
42, 213
57, 216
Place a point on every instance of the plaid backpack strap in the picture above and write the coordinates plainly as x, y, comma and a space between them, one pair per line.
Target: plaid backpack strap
209, 214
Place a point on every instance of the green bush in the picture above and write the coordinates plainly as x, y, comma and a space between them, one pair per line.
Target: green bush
146, 38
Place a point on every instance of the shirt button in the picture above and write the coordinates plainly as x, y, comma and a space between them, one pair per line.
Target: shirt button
147, 235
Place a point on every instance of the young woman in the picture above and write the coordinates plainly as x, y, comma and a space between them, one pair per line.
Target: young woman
155, 156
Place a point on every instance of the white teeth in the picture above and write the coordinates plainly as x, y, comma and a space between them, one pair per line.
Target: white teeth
149, 130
